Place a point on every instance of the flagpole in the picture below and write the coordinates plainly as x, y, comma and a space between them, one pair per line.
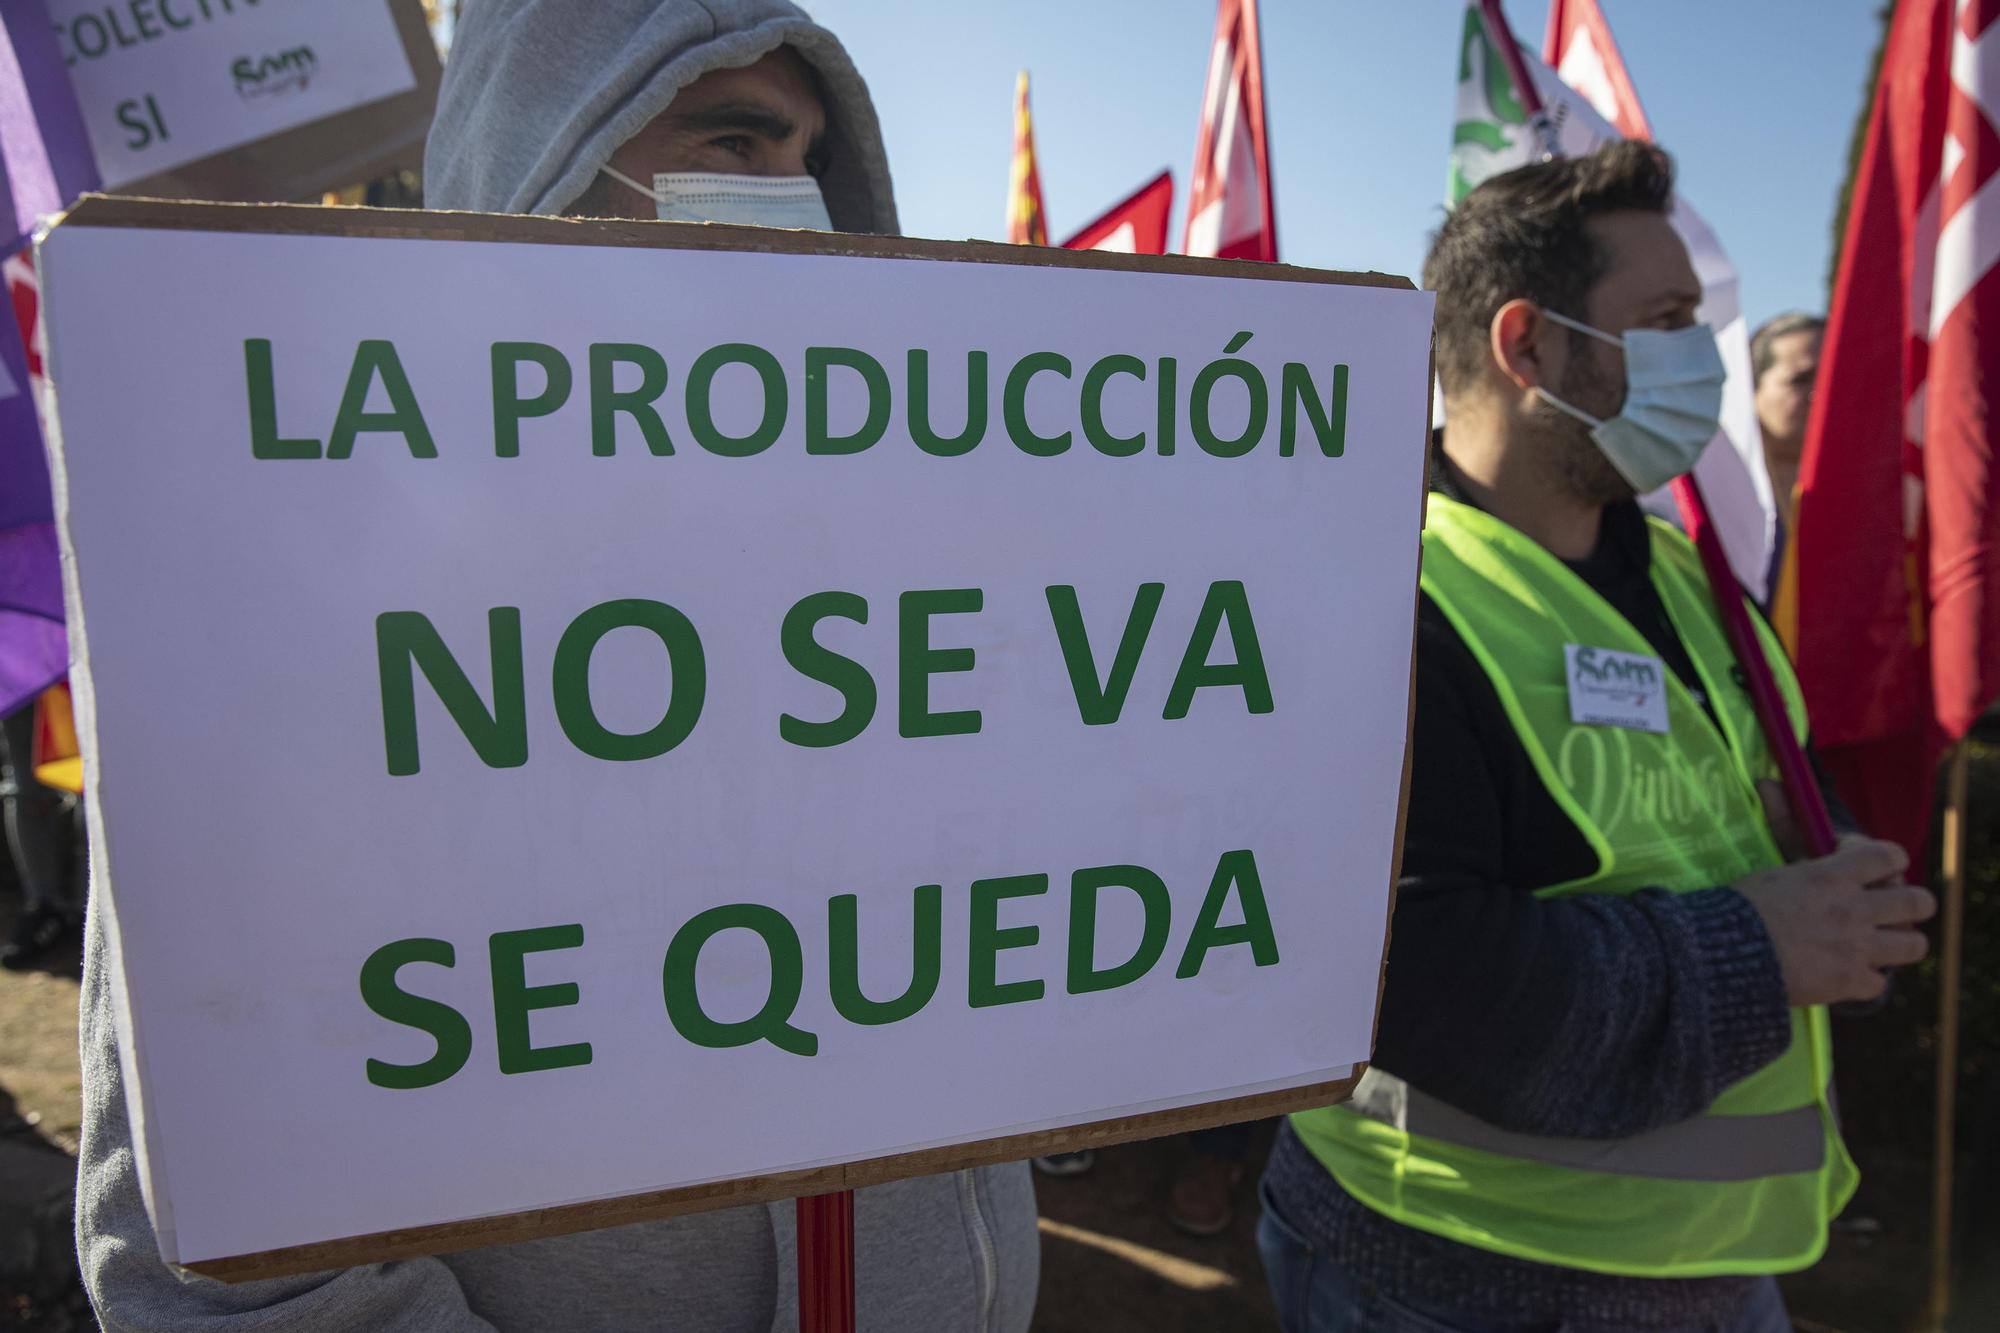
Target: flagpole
1950, 955
1802, 791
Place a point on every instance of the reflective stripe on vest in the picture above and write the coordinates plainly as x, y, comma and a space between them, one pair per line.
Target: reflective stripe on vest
1749, 1185
1708, 1147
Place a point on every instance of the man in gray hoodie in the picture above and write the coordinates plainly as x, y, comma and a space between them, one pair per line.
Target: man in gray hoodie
721, 110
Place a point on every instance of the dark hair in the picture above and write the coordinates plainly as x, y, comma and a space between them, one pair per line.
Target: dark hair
1774, 328
1522, 234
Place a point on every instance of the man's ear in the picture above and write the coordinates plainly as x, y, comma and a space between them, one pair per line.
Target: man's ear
1515, 340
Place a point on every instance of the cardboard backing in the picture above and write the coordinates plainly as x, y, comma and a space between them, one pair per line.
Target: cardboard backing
300, 220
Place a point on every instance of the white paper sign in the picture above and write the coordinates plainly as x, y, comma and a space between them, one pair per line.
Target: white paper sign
1609, 688
765, 697
166, 82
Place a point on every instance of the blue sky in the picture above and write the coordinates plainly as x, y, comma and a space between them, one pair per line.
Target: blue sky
1756, 101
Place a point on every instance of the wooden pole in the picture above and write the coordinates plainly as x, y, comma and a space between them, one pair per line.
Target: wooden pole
1950, 950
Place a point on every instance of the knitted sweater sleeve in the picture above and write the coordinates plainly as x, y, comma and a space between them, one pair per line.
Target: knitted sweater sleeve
1588, 1015
132, 1289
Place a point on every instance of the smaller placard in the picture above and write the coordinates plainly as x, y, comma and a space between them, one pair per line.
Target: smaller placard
227, 99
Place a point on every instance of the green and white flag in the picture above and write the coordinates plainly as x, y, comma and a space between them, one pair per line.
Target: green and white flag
1490, 135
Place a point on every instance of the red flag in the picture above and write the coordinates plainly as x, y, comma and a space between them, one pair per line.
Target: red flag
1579, 47
1230, 215
1892, 597
1027, 224
1135, 225
24, 292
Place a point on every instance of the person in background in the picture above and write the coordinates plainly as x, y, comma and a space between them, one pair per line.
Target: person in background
1600, 1091
1208, 1166
1784, 355
1201, 1196
723, 110
39, 838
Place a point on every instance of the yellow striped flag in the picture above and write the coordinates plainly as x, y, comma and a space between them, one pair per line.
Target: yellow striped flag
1026, 223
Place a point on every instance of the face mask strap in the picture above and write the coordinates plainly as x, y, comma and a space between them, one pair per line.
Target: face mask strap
1561, 406
1581, 327
619, 176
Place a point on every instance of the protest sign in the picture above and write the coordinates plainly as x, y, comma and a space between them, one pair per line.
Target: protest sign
235, 99
592, 720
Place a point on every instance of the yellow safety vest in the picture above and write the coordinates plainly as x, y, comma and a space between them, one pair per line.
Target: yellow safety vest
1749, 1185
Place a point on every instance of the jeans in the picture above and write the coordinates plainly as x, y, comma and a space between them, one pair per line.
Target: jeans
1316, 1295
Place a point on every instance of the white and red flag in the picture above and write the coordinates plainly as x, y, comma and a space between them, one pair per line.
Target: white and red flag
1891, 602
1230, 214
1135, 225
24, 297
1578, 44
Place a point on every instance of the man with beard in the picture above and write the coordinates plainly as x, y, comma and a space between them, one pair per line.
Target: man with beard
1600, 1098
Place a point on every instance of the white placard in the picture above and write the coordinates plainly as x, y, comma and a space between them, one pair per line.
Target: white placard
237, 678
166, 82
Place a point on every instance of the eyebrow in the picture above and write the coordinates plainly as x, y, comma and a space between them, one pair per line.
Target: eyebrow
747, 116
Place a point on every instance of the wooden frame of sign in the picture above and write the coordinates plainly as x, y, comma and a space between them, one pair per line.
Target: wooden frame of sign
107, 211
347, 148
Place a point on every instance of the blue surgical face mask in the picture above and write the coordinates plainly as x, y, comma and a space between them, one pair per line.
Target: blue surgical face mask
1673, 401
757, 201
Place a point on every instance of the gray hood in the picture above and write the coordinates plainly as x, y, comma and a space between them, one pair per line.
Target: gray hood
538, 94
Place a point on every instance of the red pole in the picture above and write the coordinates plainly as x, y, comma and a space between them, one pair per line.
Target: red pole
1801, 790
826, 1263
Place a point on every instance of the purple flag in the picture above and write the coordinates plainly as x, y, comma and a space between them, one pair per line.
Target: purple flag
45, 163
34, 650
45, 157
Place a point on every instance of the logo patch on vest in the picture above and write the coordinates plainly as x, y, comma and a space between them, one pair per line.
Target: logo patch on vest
1608, 688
